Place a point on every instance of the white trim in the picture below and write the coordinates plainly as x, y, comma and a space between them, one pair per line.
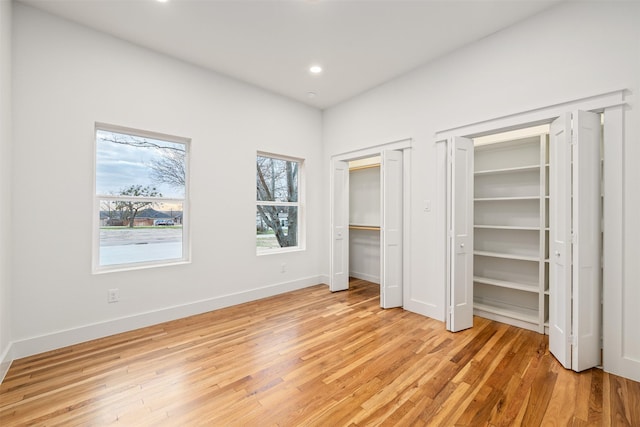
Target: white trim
324, 279
536, 116
401, 144
406, 228
280, 156
38, 344
111, 197
140, 133
115, 268
5, 361
614, 358
276, 203
284, 250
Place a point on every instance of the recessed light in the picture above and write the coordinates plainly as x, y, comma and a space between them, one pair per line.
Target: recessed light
315, 69
162, 1
311, 95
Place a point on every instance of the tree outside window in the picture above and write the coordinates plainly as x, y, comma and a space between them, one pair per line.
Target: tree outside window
277, 203
140, 197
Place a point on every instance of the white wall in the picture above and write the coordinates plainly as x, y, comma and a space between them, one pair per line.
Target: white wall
574, 50
67, 77
364, 209
364, 255
5, 184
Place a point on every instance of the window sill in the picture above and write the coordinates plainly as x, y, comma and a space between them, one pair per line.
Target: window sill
280, 251
138, 266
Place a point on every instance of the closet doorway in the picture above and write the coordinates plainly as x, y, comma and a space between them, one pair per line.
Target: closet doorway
525, 219
619, 315
369, 191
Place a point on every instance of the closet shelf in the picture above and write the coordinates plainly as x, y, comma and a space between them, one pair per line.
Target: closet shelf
511, 208
506, 284
506, 227
501, 199
364, 227
508, 170
357, 168
507, 256
507, 310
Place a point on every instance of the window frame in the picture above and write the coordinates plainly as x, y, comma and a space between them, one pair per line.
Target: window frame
300, 204
98, 198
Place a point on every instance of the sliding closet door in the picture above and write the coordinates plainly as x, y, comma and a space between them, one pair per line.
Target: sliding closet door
339, 227
460, 184
391, 238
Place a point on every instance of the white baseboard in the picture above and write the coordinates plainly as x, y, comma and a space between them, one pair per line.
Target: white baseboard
5, 361
59, 339
324, 279
364, 276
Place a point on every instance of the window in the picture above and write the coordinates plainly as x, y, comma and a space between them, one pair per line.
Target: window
278, 203
140, 199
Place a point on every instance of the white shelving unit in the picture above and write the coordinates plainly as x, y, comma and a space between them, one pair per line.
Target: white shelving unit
511, 231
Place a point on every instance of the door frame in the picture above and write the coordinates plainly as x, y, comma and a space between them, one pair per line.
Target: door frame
403, 145
613, 105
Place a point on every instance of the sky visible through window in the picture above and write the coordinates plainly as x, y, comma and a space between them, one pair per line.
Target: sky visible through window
140, 190
120, 164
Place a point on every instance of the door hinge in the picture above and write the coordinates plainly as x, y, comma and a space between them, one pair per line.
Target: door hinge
571, 340
574, 238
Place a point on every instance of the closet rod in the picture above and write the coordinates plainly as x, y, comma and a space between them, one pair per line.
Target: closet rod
364, 227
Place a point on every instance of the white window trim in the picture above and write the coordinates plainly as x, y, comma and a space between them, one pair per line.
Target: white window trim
96, 268
302, 223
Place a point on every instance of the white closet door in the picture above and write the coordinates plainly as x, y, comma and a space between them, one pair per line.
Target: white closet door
560, 240
340, 227
586, 251
391, 238
574, 221
460, 293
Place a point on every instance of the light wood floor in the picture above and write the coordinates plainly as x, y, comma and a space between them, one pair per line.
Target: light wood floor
310, 357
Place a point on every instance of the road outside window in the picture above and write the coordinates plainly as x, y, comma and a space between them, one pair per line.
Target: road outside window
141, 188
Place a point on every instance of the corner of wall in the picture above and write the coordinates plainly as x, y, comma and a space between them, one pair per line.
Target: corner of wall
6, 141
5, 362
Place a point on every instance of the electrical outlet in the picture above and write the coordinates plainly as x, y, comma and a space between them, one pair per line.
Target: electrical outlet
283, 267
113, 295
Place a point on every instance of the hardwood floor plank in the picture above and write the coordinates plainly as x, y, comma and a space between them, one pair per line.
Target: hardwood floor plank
314, 358
563, 396
596, 398
541, 391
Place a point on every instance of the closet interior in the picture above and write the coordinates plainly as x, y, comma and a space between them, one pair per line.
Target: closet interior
511, 228
364, 219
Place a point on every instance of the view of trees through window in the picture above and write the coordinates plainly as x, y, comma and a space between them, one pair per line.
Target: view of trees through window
277, 205
140, 189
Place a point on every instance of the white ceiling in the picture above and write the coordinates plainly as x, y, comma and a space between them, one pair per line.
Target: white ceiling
271, 43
